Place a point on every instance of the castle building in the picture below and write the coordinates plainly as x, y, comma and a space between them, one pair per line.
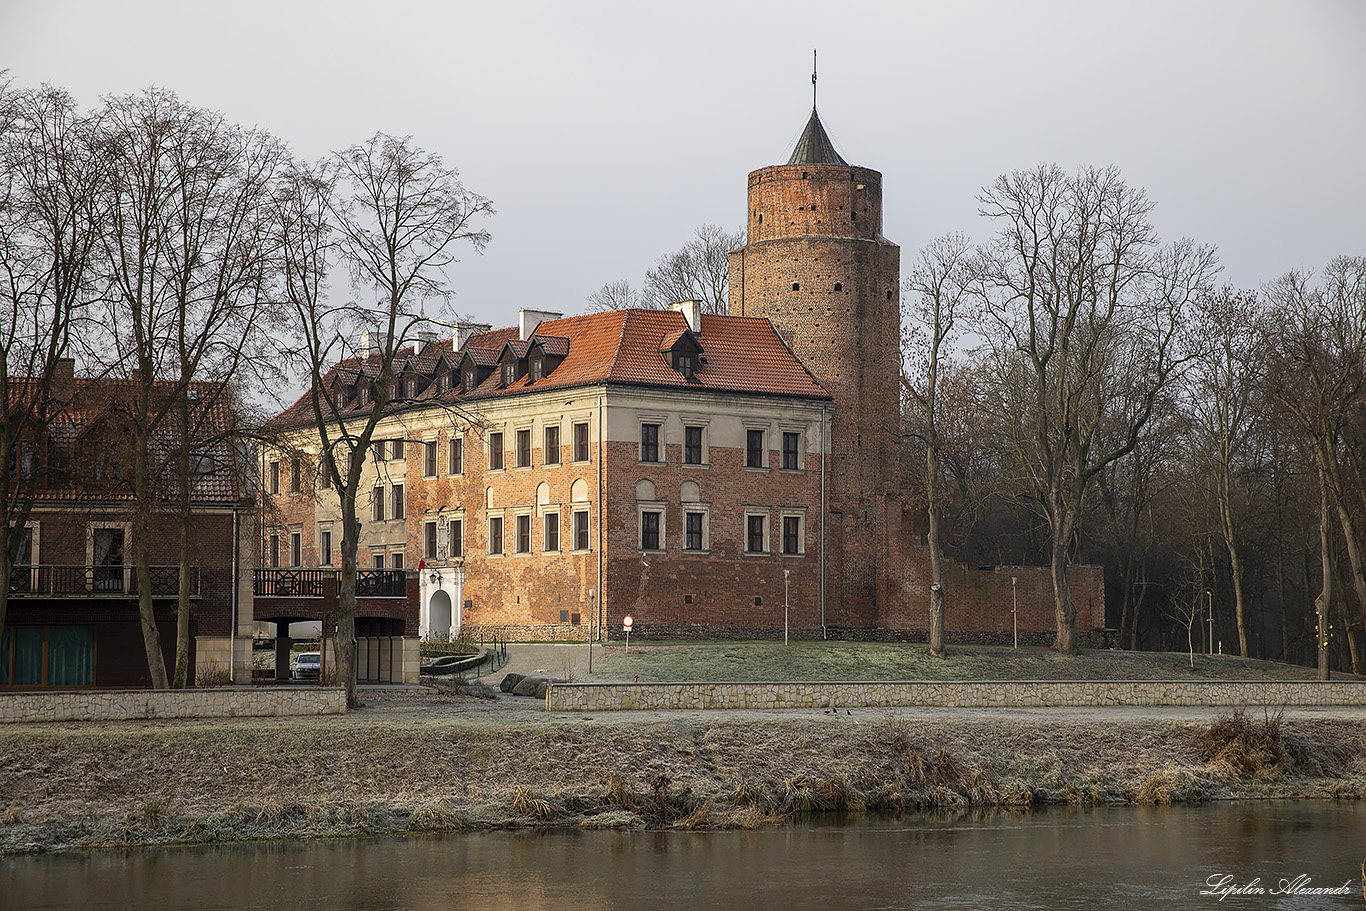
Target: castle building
707, 475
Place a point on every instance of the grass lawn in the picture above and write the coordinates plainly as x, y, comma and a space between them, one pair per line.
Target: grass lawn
766, 661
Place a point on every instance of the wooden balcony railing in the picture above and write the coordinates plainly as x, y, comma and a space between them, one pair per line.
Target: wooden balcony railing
54, 581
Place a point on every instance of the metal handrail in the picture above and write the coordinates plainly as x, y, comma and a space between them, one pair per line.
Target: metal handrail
56, 580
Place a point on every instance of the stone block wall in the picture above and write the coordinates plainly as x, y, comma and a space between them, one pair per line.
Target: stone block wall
587, 697
125, 705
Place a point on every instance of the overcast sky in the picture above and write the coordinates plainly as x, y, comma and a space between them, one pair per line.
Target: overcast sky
606, 132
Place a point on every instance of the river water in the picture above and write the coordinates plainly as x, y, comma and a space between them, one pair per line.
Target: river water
1113, 858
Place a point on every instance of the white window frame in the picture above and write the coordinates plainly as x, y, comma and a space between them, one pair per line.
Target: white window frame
652, 506
754, 512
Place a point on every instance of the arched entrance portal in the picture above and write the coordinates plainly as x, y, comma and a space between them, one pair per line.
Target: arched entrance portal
439, 615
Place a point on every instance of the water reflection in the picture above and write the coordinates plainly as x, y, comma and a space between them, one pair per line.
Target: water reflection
1124, 858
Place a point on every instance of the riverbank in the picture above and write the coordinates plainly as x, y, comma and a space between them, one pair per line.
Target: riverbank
423, 760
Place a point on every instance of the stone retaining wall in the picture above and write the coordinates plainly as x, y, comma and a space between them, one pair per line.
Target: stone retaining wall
123, 705
587, 697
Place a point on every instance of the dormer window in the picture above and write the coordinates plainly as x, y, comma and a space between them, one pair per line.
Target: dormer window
363, 394
470, 379
509, 374
683, 363
537, 368
393, 390
412, 388
445, 382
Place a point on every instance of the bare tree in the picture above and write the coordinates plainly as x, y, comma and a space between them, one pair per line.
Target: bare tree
185, 243
47, 239
699, 270
617, 295
1316, 370
1081, 309
1223, 406
393, 216
936, 291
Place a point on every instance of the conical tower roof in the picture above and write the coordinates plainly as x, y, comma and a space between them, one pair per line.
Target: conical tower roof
814, 145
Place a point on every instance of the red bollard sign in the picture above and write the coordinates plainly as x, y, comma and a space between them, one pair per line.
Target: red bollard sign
626, 625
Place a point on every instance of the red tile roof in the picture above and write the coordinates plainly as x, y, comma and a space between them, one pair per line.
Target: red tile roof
741, 354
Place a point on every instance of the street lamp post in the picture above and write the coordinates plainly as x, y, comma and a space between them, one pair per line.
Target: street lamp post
786, 573
592, 620
1015, 610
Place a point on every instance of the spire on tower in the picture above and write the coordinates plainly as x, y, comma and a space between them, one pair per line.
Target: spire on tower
814, 145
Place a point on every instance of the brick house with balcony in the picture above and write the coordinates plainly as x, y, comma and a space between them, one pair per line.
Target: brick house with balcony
72, 617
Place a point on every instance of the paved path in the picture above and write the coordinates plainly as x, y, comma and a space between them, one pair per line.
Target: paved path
568, 661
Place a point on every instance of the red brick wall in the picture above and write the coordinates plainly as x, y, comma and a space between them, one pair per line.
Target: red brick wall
680, 592
818, 269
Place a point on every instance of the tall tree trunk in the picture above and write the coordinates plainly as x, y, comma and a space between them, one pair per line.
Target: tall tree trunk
936, 563
182, 674
1066, 611
1324, 602
144, 503
346, 585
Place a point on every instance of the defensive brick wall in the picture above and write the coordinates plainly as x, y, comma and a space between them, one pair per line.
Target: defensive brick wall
587, 697
124, 705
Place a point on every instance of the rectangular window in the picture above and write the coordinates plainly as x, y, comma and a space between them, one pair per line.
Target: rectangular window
429, 459
273, 551
649, 531
755, 528
325, 548
109, 569
396, 560
692, 531
377, 505
377, 561
649, 442
429, 541
552, 532
523, 448
396, 449
274, 477
524, 534
791, 441
396, 499
47, 656
692, 445
457, 532
792, 534
296, 549
754, 449
495, 451
551, 454
495, 534
580, 531
455, 460
295, 476
580, 442
324, 472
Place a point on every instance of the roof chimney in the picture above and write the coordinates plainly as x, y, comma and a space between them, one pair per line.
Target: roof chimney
369, 344
692, 314
425, 339
528, 320
64, 381
463, 331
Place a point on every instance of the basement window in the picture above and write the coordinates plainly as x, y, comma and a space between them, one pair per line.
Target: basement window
839, 287
796, 286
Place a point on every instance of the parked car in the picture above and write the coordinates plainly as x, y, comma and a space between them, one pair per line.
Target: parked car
307, 666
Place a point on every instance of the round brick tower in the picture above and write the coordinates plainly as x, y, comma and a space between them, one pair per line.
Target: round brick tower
817, 266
